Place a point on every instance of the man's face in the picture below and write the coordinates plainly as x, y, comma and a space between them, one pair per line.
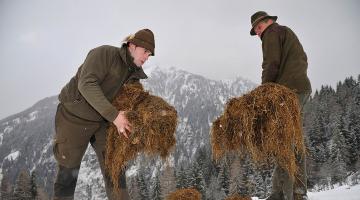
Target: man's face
139, 54
261, 26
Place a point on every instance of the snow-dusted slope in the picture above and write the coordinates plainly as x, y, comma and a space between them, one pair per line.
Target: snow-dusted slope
339, 193
344, 192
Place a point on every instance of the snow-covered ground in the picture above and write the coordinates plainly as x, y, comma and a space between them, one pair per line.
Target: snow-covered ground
340, 193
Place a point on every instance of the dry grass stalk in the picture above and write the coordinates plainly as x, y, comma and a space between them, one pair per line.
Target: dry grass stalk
265, 123
153, 122
184, 194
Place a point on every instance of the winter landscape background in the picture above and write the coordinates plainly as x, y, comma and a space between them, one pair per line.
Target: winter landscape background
332, 129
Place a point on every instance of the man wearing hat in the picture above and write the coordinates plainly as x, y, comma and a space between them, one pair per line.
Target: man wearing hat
285, 63
85, 110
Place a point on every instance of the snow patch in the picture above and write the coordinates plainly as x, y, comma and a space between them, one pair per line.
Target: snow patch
222, 99
8, 129
343, 192
16, 120
1, 138
32, 116
132, 171
12, 156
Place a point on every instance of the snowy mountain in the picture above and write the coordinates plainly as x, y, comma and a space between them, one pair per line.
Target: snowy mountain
26, 138
26, 141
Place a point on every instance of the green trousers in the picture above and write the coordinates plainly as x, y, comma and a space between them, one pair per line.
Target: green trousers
283, 187
71, 139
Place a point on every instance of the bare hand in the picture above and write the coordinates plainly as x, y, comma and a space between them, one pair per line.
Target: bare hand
122, 124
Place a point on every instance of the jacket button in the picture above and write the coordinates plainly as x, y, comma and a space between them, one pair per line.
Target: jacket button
63, 157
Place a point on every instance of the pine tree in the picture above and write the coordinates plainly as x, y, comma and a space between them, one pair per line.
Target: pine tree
247, 176
235, 180
181, 179
5, 188
335, 126
223, 178
197, 180
204, 160
318, 149
353, 133
167, 181
215, 191
134, 190
156, 190
144, 192
349, 144
23, 186
33, 185
332, 132
337, 160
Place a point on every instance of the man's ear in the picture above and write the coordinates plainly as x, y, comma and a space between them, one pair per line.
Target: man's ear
131, 45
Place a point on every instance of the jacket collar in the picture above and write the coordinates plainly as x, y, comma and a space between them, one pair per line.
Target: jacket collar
267, 28
136, 72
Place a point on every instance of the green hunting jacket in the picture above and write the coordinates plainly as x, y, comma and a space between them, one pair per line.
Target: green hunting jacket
284, 59
90, 92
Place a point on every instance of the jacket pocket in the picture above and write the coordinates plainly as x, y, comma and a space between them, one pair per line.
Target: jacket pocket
67, 154
82, 109
58, 150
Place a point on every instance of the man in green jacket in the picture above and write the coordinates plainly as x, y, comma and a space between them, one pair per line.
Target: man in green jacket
285, 63
85, 109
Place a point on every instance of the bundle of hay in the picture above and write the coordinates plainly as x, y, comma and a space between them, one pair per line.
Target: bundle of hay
238, 197
153, 129
265, 123
184, 194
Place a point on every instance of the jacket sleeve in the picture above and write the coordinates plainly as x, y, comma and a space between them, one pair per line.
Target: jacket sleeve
271, 46
93, 72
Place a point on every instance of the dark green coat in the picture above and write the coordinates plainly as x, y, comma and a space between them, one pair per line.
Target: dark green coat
90, 92
284, 59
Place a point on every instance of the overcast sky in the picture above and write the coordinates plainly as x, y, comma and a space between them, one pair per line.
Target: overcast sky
42, 43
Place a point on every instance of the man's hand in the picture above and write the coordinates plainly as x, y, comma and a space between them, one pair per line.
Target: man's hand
122, 124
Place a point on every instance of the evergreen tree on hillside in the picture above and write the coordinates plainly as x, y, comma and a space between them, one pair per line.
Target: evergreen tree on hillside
197, 180
247, 176
224, 178
337, 160
352, 125
167, 181
204, 160
5, 188
134, 190
214, 190
262, 180
23, 186
349, 144
332, 133
144, 192
181, 178
156, 190
318, 141
235, 178
33, 184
